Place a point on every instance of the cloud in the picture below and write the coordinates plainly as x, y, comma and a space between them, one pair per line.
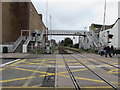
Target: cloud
77, 14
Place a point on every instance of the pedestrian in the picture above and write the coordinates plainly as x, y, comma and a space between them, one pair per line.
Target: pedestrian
108, 51
112, 50
104, 50
101, 51
115, 51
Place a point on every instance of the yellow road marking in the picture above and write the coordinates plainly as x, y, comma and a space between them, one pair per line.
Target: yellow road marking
34, 63
62, 87
3, 81
17, 62
32, 70
45, 64
114, 71
97, 87
73, 71
87, 79
24, 78
37, 60
2, 69
29, 80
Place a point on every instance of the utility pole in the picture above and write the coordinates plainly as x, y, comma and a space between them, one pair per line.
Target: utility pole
50, 33
104, 17
103, 28
46, 21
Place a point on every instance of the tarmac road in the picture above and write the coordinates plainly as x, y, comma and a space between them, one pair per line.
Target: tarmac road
49, 71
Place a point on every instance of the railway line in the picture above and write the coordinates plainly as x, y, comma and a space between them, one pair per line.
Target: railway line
66, 70
75, 58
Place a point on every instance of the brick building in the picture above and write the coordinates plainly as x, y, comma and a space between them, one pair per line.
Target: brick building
17, 16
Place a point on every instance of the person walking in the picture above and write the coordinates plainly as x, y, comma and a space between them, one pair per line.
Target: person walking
108, 51
102, 51
112, 50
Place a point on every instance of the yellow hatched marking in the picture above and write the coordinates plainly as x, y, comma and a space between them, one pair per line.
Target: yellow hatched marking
76, 70
34, 63
61, 87
72, 71
3, 81
97, 87
17, 62
73, 63
32, 70
2, 69
59, 62
114, 71
81, 78
62, 65
87, 79
20, 64
37, 60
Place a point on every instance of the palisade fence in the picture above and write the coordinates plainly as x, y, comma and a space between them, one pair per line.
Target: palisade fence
36, 50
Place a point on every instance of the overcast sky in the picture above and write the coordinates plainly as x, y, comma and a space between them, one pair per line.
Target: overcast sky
76, 14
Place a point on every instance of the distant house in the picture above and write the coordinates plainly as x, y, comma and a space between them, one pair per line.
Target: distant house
97, 28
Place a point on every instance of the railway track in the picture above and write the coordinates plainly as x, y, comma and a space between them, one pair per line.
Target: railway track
75, 82
63, 50
100, 61
109, 83
83, 56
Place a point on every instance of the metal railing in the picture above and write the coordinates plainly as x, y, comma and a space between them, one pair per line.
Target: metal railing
24, 50
100, 42
41, 36
25, 45
16, 44
92, 39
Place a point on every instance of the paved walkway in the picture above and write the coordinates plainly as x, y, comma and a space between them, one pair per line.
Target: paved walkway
13, 55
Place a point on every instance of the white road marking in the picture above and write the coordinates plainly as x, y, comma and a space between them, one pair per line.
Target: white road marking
10, 62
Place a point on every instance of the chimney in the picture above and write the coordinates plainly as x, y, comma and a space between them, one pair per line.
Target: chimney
40, 15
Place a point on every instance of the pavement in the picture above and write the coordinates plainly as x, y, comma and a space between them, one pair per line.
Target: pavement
49, 71
13, 55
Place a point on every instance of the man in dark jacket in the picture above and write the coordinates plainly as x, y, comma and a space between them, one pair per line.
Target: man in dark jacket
112, 50
108, 51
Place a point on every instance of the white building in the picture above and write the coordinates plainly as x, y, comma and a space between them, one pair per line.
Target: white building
115, 31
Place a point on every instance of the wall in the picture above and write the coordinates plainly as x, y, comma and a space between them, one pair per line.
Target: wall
35, 19
114, 31
115, 38
115, 41
15, 18
19, 16
41, 25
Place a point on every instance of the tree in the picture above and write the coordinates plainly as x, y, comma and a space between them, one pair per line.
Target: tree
76, 45
62, 43
68, 42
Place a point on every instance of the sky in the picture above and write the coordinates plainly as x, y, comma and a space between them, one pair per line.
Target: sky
75, 14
